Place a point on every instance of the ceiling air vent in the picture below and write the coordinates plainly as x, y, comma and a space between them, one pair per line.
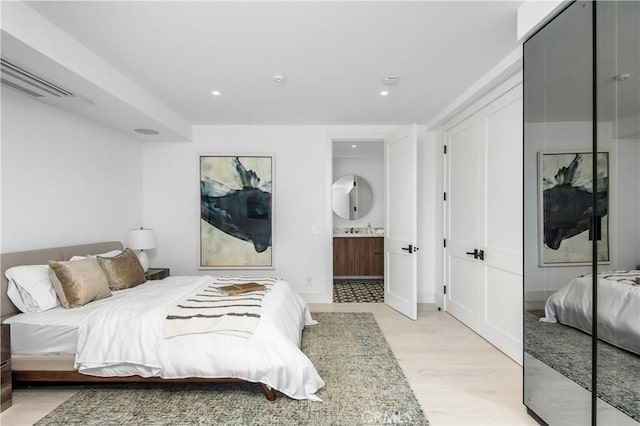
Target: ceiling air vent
35, 86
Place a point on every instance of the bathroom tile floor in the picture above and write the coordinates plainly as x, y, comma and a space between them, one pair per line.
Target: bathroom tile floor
358, 290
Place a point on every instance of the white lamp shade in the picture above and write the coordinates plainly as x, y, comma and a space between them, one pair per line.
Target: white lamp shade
142, 239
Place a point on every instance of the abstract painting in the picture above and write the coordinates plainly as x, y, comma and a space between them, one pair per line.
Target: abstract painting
566, 208
236, 212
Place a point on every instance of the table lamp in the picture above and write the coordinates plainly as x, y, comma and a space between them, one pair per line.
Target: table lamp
142, 239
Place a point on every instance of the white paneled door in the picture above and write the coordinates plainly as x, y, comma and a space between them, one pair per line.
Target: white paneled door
483, 232
400, 259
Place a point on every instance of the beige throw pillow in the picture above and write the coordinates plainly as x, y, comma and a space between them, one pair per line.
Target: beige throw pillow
78, 283
57, 286
123, 271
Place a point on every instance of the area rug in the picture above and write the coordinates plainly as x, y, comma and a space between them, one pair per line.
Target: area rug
364, 386
358, 290
568, 351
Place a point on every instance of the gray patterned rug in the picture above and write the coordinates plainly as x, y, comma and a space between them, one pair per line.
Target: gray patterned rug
364, 385
358, 290
568, 351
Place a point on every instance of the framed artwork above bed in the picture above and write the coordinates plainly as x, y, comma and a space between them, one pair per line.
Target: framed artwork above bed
236, 212
565, 207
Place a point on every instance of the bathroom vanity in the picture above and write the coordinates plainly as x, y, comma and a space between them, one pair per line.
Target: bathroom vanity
358, 254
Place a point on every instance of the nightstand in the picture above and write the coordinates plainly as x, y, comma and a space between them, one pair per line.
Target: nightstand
5, 364
157, 273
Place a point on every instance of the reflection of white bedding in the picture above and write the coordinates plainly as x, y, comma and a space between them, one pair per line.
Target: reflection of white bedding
126, 338
618, 307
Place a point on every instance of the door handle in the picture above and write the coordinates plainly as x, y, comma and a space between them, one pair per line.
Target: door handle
477, 254
410, 249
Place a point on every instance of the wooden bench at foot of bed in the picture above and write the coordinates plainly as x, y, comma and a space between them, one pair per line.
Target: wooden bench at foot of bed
75, 377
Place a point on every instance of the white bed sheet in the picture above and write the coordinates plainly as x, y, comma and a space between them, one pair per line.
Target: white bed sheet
54, 331
618, 307
126, 338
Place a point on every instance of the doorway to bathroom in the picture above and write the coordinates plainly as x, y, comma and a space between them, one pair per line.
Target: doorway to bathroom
358, 201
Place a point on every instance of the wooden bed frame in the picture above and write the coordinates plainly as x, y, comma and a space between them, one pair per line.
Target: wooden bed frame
60, 369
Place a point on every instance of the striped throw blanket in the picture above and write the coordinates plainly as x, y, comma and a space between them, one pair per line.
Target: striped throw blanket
210, 311
631, 277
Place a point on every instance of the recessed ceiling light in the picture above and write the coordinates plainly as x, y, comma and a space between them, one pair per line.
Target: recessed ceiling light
146, 131
279, 78
354, 146
384, 92
215, 93
390, 81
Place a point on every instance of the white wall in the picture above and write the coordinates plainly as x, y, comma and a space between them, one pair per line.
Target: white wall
68, 180
302, 194
302, 157
65, 179
372, 170
625, 199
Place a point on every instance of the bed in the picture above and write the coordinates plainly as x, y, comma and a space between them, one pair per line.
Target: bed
124, 337
618, 307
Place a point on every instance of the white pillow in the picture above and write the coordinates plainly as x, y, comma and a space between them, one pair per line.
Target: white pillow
112, 253
30, 288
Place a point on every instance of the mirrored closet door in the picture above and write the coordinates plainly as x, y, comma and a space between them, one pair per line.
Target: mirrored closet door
582, 216
618, 294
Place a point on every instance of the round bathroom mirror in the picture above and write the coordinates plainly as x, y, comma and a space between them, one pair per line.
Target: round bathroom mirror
352, 197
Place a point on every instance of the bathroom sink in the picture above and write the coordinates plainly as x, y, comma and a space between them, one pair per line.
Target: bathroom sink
357, 232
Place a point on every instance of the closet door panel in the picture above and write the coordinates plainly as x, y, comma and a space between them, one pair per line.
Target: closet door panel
618, 111
464, 145
558, 141
503, 321
463, 221
502, 223
463, 292
503, 211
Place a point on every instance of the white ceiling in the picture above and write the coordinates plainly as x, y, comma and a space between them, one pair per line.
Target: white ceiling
334, 55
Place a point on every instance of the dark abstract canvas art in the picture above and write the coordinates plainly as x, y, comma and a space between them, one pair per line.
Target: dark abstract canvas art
567, 208
236, 211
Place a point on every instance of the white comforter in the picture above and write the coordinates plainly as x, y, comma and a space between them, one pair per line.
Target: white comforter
126, 338
618, 307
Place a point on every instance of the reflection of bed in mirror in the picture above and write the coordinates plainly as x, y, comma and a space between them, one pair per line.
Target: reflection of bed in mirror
618, 307
560, 337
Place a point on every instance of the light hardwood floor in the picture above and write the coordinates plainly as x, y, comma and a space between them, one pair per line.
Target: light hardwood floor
458, 377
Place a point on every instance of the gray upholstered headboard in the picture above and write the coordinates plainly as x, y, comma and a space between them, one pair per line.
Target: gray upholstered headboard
41, 257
